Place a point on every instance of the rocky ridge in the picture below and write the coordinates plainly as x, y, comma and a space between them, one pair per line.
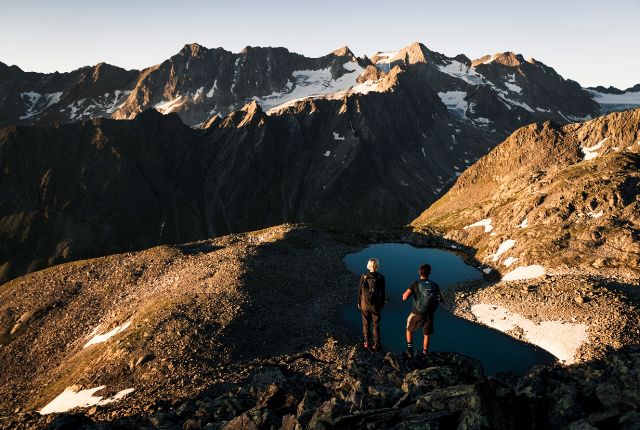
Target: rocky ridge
565, 197
497, 93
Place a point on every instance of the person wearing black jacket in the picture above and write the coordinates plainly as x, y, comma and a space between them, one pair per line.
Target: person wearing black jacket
371, 298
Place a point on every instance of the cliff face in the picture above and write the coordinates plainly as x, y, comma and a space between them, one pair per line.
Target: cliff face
94, 188
567, 195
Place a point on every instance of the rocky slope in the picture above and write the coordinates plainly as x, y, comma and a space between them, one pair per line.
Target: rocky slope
564, 197
240, 332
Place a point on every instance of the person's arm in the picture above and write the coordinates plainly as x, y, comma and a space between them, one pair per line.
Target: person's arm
360, 290
407, 294
384, 291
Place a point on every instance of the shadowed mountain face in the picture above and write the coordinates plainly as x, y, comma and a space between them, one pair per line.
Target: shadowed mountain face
96, 187
562, 196
103, 186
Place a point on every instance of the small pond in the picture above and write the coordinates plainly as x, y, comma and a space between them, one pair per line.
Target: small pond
399, 264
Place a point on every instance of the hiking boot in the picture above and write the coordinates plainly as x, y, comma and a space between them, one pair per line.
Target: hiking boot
365, 345
376, 347
410, 353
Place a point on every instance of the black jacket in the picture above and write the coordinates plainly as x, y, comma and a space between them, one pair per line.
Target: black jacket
379, 285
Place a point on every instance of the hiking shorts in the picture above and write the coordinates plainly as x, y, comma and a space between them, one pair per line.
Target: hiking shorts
416, 321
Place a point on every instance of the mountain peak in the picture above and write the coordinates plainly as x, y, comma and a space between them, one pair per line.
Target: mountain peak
415, 53
250, 114
508, 59
192, 49
343, 52
251, 107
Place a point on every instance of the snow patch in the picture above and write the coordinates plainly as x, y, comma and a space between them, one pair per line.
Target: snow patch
72, 397
509, 261
513, 87
213, 88
169, 106
454, 101
99, 338
504, 247
592, 152
524, 223
328, 153
118, 100
486, 223
310, 84
525, 272
462, 71
562, 339
629, 98
366, 87
595, 214
483, 121
37, 103
336, 136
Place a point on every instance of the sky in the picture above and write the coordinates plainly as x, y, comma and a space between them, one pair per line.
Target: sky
592, 42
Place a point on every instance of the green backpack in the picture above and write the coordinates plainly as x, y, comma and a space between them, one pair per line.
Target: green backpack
426, 299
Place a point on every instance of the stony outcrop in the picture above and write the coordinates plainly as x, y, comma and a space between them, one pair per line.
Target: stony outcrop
388, 391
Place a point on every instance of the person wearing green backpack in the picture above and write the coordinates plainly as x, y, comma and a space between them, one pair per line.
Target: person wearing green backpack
426, 296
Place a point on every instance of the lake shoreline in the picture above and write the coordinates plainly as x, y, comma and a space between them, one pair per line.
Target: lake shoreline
606, 308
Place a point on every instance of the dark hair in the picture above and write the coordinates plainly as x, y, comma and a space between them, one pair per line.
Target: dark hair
425, 270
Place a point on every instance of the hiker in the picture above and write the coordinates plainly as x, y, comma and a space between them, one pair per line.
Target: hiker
371, 298
426, 296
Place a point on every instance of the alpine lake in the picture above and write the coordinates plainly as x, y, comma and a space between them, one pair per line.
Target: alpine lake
399, 264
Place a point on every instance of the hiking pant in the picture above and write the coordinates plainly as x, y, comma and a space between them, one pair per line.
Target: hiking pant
370, 314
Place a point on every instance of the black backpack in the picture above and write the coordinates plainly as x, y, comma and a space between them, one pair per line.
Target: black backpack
371, 290
427, 297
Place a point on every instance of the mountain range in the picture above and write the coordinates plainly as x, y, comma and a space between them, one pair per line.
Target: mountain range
249, 140
499, 91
